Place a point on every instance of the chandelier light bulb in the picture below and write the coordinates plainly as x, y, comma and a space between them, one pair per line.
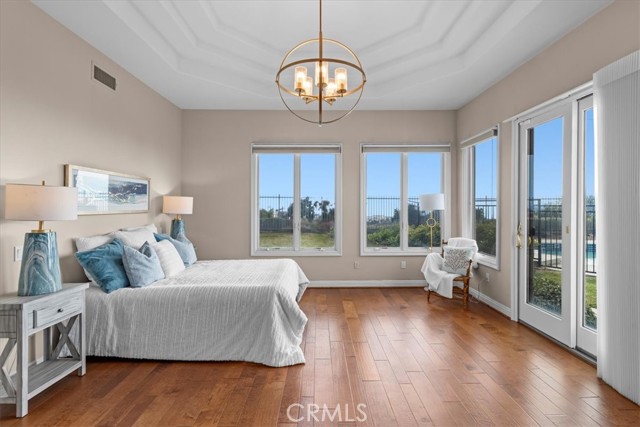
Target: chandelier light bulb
300, 77
331, 91
322, 73
341, 80
308, 86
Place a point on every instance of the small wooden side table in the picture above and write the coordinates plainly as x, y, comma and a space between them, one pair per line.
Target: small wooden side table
21, 317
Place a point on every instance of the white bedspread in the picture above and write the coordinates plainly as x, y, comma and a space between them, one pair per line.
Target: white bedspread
244, 310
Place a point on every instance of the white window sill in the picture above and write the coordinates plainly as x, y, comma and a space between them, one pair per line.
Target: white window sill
291, 254
488, 261
421, 252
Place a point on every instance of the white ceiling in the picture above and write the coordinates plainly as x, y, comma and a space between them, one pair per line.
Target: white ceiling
225, 54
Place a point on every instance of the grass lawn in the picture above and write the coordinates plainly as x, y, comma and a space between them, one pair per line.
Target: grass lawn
553, 276
590, 288
284, 240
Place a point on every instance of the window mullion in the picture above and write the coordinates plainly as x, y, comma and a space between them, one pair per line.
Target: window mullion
296, 202
404, 202
472, 192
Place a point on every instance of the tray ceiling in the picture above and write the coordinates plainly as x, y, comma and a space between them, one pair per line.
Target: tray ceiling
225, 54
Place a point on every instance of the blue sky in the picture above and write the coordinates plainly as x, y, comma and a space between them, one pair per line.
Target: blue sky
548, 157
486, 185
317, 176
424, 174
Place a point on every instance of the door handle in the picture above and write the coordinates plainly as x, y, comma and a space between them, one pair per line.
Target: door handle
519, 236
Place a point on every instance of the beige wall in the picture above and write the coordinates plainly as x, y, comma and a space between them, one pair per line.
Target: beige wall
217, 170
570, 62
52, 113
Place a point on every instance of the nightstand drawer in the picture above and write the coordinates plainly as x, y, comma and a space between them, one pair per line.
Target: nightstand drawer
56, 312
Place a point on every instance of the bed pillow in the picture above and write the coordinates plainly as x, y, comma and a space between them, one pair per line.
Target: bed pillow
142, 266
456, 260
151, 227
185, 250
181, 237
169, 258
104, 265
134, 238
87, 243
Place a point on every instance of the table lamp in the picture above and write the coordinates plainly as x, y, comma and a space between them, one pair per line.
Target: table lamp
177, 205
430, 203
40, 267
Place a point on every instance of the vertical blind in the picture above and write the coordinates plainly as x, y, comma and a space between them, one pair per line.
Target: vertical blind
617, 147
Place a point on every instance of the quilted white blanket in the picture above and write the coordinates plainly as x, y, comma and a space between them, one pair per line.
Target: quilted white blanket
244, 310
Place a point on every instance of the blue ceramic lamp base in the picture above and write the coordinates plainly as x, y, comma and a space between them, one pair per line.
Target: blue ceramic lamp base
40, 268
177, 227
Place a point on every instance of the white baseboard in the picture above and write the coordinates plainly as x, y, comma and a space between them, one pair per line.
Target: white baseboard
491, 302
367, 284
403, 284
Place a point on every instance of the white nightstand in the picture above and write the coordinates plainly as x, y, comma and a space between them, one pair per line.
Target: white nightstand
21, 317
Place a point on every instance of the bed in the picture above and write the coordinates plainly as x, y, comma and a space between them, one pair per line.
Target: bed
240, 310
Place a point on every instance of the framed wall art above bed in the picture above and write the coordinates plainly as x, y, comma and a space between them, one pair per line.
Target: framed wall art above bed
104, 192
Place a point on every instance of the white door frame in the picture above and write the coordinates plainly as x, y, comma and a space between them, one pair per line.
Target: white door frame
586, 339
569, 97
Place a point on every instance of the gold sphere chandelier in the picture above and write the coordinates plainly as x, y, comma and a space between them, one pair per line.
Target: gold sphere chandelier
322, 99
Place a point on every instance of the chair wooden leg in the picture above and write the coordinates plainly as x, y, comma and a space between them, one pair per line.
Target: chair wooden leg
465, 293
429, 295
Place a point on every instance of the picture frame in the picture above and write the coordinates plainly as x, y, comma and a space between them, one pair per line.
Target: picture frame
102, 192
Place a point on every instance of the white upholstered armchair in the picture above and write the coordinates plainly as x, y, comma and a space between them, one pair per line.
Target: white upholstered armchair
449, 272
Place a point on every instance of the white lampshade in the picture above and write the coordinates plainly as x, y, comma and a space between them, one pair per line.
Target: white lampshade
177, 205
40, 203
432, 202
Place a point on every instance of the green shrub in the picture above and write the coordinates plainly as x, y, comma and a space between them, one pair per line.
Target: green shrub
547, 291
384, 236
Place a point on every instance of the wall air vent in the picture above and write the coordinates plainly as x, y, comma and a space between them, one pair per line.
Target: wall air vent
103, 77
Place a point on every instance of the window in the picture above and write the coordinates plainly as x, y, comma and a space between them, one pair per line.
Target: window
296, 200
393, 178
480, 171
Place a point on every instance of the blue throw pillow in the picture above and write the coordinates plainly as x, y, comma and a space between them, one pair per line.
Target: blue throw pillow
185, 250
143, 266
104, 264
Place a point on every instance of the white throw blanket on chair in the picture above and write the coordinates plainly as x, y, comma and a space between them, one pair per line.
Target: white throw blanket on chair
439, 280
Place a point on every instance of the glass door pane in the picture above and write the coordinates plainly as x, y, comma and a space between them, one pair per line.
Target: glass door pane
590, 311
317, 200
383, 200
544, 216
275, 200
424, 177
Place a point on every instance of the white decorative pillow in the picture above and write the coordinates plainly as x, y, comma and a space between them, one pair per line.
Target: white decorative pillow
456, 260
151, 227
87, 243
134, 238
169, 258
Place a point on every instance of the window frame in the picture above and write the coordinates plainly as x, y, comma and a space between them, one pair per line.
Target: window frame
296, 150
468, 202
445, 187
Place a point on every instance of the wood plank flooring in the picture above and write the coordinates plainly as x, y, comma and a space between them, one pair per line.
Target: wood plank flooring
405, 362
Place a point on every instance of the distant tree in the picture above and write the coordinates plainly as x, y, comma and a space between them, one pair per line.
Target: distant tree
414, 215
307, 211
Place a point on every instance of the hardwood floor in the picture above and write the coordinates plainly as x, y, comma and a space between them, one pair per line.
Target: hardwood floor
410, 363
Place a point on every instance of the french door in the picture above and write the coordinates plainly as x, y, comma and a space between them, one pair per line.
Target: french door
556, 224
